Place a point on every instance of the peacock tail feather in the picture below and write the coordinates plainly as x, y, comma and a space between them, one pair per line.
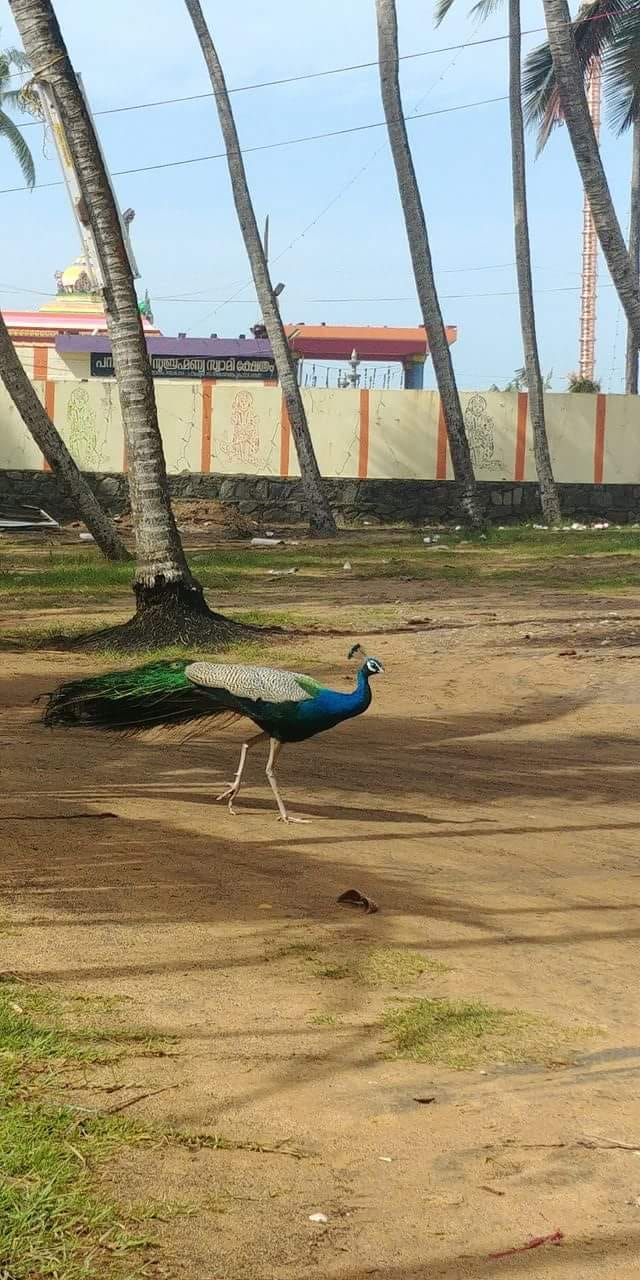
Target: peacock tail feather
144, 700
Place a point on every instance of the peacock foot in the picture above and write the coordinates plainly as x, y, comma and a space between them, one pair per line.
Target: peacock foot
290, 818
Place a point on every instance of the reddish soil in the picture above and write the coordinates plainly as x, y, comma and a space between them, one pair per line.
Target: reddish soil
488, 802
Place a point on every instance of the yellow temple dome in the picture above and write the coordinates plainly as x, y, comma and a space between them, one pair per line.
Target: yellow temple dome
75, 292
75, 279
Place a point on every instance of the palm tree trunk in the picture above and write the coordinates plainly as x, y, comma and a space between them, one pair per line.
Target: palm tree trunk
575, 110
321, 521
421, 258
631, 363
548, 492
170, 603
54, 449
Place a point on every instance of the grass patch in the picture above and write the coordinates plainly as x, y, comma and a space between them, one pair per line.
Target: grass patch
374, 967
32, 577
52, 1223
333, 971
463, 1034
393, 967
323, 1020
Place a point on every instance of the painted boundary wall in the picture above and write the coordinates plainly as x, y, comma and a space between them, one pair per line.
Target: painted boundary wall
228, 429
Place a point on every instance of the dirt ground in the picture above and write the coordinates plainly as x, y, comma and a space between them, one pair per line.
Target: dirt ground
488, 802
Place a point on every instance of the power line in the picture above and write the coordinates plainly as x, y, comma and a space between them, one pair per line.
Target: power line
448, 297
196, 299
272, 146
445, 297
309, 75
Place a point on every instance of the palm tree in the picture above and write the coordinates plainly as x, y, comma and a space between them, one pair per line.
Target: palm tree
420, 251
570, 76
12, 60
548, 491
321, 521
14, 377
170, 604
605, 30
41, 428
631, 354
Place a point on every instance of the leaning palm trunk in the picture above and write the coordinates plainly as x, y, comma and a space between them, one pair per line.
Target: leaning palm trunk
321, 521
631, 363
421, 258
170, 603
575, 111
548, 491
54, 449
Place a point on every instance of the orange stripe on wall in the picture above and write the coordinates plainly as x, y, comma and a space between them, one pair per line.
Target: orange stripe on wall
40, 364
50, 406
205, 449
441, 450
285, 439
521, 435
598, 449
363, 436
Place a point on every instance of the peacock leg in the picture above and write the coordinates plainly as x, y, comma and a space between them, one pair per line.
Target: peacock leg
234, 787
275, 748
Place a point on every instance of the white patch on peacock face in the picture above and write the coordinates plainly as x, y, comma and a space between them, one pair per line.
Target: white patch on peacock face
374, 666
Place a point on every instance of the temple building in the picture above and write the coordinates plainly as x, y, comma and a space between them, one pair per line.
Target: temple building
66, 339
74, 310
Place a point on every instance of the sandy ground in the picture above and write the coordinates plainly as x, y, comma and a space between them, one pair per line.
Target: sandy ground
488, 802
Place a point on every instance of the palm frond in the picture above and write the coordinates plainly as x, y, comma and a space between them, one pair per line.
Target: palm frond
21, 151
441, 10
594, 29
484, 8
17, 59
622, 74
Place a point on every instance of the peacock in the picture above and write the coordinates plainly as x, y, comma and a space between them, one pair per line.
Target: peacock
173, 700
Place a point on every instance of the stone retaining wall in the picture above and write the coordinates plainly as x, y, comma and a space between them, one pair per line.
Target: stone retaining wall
270, 500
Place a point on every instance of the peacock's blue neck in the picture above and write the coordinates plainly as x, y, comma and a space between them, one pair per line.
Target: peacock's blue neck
330, 707
362, 691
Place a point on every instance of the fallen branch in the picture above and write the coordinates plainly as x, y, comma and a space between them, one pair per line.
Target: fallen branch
139, 1097
556, 1237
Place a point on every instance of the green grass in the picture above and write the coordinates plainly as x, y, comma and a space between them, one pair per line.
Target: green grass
463, 1034
52, 1222
332, 971
393, 967
373, 966
324, 1020
576, 560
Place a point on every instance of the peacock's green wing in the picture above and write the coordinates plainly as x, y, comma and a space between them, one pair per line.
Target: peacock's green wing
311, 687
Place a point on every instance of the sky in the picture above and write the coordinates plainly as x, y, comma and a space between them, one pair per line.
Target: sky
337, 234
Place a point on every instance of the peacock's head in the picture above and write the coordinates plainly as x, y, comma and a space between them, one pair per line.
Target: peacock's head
372, 666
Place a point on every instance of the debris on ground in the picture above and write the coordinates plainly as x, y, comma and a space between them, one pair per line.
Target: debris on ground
353, 898
20, 516
220, 519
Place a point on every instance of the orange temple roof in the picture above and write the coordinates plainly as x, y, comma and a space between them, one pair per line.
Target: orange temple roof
337, 342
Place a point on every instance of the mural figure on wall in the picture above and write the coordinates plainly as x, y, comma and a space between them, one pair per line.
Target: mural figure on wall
244, 444
481, 428
82, 435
